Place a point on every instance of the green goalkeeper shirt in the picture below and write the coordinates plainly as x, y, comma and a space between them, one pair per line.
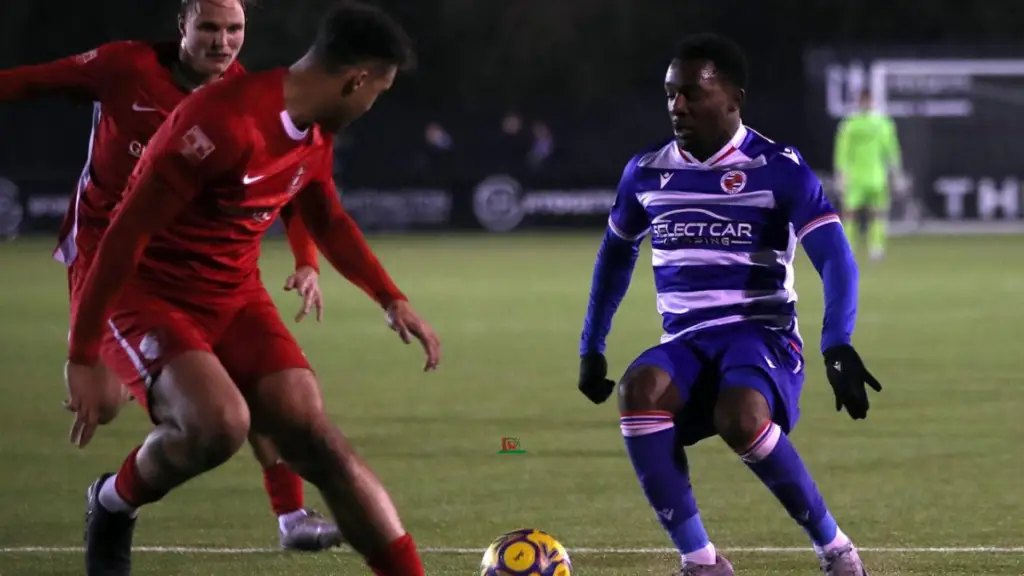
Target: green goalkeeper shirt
866, 146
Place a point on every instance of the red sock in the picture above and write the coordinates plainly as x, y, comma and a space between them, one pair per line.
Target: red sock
284, 487
401, 559
131, 487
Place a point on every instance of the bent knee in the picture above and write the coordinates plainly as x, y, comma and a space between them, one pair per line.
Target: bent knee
647, 388
741, 414
219, 433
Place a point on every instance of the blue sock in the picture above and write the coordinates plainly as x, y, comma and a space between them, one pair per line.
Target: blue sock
650, 441
775, 461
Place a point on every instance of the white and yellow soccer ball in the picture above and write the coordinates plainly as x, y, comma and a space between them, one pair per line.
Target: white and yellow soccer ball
526, 552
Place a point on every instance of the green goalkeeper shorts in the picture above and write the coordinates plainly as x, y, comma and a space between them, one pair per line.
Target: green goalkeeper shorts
869, 197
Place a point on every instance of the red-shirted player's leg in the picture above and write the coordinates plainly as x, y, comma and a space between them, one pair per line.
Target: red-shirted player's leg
202, 421
258, 321
284, 486
201, 418
286, 404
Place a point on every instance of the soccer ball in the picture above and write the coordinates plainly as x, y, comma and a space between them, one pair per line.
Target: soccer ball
526, 552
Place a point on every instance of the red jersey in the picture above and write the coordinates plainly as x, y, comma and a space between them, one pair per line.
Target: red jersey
133, 91
210, 183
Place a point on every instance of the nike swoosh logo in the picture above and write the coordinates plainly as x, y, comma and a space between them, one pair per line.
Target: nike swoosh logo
250, 179
139, 108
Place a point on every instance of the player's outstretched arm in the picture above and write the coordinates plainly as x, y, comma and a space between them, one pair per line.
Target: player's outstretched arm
344, 246
306, 279
613, 271
821, 233
90, 391
148, 207
299, 240
78, 76
894, 155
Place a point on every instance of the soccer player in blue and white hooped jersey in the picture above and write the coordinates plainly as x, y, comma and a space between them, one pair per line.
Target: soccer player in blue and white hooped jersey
724, 207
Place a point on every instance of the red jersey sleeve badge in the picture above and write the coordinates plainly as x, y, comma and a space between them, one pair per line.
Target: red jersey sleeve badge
196, 145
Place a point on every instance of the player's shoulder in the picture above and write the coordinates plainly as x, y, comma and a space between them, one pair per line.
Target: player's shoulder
258, 89
109, 53
208, 113
232, 109
784, 162
128, 50
639, 163
134, 57
650, 157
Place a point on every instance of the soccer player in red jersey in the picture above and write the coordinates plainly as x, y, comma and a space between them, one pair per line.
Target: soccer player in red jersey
191, 324
133, 87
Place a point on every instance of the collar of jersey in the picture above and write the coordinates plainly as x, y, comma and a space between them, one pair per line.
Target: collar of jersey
671, 157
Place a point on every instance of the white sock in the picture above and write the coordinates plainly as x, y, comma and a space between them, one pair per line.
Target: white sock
706, 556
285, 521
839, 541
112, 501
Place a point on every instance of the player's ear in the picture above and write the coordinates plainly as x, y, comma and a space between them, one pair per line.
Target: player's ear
181, 26
739, 98
354, 82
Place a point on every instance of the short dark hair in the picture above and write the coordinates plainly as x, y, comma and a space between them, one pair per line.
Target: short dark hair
188, 6
353, 33
725, 54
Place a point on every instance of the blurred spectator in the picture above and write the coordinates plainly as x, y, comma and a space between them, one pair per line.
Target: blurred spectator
543, 147
435, 157
510, 150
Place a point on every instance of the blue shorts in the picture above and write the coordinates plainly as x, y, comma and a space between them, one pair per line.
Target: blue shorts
696, 363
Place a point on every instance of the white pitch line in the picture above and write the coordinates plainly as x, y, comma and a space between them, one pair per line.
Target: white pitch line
739, 550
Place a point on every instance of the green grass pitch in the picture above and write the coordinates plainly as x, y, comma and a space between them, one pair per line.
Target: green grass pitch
937, 465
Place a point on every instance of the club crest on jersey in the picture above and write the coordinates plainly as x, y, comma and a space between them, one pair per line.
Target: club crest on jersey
734, 181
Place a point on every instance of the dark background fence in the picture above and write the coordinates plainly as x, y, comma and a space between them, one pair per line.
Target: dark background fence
539, 103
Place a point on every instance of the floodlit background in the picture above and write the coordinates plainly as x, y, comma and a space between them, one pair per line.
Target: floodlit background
499, 156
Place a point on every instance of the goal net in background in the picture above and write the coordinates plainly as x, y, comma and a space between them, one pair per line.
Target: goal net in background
961, 128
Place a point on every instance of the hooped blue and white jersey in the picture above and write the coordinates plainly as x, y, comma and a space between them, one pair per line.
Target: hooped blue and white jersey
723, 231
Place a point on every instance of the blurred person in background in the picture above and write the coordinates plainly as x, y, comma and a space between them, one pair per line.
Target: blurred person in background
434, 158
543, 147
511, 145
134, 86
867, 152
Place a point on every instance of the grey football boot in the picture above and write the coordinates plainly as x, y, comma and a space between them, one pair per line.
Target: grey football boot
310, 532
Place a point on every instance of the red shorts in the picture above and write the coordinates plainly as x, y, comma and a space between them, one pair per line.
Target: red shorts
247, 335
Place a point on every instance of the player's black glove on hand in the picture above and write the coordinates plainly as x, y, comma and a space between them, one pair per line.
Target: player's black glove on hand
594, 382
848, 377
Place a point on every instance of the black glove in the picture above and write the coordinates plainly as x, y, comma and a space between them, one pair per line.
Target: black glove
847, 375
594, 382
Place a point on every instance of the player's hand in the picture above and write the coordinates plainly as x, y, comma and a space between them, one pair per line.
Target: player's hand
594, 381
90, 395
839, 182
404, 320
306, 281
900, 182
849, 378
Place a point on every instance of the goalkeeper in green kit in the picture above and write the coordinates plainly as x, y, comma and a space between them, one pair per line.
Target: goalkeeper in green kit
866, 148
